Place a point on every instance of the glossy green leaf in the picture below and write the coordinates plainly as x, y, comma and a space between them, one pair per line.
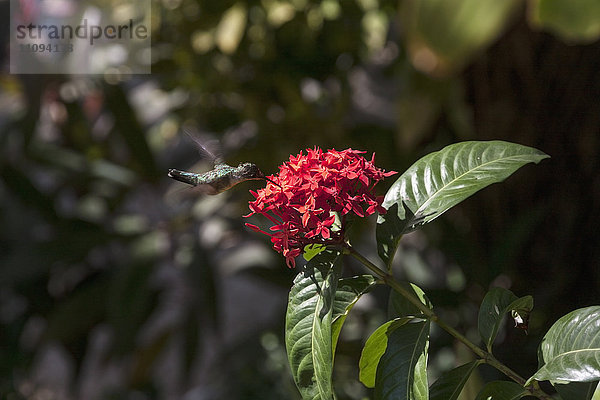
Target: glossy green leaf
374, 348
349, 290
501, 390
441, 180
449, 385
399, 306
496, 304
578, 390
576, 21
308, 335
394, 360
390, 229
570, 350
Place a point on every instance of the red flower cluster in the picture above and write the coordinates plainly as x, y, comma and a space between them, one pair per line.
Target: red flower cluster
302, 200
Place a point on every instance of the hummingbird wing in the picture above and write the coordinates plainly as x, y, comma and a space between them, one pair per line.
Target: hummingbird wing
209, 149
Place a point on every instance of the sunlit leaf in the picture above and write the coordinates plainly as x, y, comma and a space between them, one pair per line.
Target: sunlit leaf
394, 360
449, 385
570, 351
501, 390
308, 333
441, 180
494, 307
306, 330
312, 250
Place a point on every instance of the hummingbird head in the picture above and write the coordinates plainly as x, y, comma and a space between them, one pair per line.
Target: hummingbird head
249, 171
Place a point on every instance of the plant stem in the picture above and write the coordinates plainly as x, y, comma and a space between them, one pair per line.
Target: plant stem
486, 356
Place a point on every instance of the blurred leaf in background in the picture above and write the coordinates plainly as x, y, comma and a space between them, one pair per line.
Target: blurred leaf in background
443, 36
573, 21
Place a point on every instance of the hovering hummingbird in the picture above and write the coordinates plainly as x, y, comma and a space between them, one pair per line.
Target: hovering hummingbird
221, 178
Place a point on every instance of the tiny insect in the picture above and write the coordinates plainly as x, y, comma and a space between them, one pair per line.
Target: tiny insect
221, 178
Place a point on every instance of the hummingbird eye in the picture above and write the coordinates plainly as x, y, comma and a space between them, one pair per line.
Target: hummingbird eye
251, 169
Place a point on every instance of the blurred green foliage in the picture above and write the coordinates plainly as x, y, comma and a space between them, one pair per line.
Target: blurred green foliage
110, 289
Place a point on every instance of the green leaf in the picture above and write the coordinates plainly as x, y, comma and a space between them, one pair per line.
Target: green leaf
501, 390
496, 304
312, 250
129, 303
394, 360
451, 32
570, 350
374, 348
449, 385
348, 292
577, 390
390, 229
308, 334
576, 21
441, 180
21, 186
132, 132
84, 308
398, 306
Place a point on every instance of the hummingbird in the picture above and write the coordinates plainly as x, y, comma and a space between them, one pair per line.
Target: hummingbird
221, 178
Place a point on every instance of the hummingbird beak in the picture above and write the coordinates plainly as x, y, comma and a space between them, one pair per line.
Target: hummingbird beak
274, 183
181, 176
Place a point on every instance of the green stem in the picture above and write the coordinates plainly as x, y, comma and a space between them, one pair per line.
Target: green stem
487, 357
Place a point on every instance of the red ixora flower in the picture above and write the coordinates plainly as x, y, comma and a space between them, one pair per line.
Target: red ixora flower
303, 199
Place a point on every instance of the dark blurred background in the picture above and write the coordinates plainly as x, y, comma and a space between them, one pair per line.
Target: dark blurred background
116, 283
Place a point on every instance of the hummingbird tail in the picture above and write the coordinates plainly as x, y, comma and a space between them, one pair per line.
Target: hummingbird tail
182, 176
